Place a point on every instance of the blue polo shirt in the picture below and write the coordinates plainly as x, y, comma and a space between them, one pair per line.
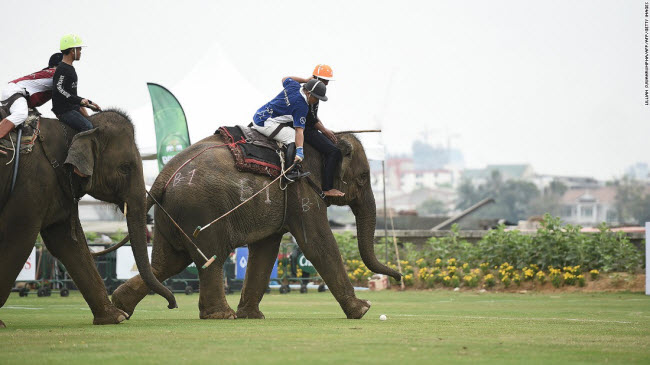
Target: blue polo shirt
288, 107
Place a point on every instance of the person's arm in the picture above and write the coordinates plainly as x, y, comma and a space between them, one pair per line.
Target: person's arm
62, 84
84, 112
299, 80
300, 140
327, 132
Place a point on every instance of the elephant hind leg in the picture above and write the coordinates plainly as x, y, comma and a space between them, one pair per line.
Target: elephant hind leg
165, 263
261, 258
18, 232
212, 295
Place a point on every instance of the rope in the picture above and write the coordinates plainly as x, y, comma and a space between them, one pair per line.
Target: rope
13, 147
197, 155
199, 228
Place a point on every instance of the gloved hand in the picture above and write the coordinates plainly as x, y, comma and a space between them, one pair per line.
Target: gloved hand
300, 154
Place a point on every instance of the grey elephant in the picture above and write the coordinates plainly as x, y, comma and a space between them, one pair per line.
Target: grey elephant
44, 201
195, 192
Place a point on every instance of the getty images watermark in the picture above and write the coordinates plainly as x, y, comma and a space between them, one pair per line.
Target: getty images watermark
646, 53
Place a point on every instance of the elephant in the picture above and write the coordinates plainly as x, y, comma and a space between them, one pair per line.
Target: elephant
195, 192
45, 201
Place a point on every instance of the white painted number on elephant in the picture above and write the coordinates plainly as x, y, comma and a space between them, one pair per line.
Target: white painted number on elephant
245, 191
178, 178
268, 196
306, 204
191, 177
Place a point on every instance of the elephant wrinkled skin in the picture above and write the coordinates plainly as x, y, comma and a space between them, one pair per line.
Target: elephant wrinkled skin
209, 186
42, 202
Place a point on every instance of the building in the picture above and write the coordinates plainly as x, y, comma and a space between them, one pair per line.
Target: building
589, 207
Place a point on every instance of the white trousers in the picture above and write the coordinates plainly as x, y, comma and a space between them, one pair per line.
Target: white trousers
19, 108
286, 135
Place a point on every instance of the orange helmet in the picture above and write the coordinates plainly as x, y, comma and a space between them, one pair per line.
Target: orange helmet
324, 72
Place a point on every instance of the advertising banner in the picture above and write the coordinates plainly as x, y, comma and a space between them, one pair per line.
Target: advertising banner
125, 267
29, 269
171, 125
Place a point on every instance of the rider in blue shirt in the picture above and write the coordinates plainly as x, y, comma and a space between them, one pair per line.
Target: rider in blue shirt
289, 109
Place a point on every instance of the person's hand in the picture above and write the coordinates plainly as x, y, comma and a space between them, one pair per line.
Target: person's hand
95, 107
329, 134
300, 155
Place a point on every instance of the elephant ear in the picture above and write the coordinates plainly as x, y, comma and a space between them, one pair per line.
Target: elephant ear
83, 151
346, 150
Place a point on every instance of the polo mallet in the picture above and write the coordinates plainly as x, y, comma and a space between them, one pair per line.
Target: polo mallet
208, 262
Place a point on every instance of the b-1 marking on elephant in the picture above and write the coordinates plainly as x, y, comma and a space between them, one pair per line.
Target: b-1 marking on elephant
259, 226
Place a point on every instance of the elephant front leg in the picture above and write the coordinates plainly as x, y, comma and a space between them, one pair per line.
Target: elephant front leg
81, 267
261, 258
321, 249
212, 295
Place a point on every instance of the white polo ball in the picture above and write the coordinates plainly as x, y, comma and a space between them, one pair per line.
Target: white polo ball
382, 317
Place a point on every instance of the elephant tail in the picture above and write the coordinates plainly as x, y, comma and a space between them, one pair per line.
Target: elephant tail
112, 248
124, 240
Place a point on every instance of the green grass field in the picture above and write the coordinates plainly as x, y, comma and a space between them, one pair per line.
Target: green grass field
422, 327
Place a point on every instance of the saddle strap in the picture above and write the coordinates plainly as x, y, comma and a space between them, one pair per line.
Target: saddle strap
277, 130
315, 187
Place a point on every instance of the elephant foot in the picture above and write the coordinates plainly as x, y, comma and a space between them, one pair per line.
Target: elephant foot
125, 298
250, 313
2, 325
113, 316
357, 309
226, 314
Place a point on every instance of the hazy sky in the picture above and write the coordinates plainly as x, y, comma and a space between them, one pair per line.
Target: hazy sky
557, 84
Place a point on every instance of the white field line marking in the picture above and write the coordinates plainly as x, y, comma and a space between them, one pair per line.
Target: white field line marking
514, 319
17, 307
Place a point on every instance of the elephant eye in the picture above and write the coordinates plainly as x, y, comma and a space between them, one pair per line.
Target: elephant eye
363, 178
125, 168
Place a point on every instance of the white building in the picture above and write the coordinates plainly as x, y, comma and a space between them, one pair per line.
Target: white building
589, 207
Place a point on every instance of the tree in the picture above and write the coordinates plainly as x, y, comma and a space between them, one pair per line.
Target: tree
431, 207
512, 197
632, 201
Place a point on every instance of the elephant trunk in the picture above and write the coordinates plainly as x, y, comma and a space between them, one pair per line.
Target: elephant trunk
365, 213
136, 220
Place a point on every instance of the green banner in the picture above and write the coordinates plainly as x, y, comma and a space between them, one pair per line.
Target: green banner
171, 126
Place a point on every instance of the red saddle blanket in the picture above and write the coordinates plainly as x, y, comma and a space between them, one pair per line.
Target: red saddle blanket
257, 154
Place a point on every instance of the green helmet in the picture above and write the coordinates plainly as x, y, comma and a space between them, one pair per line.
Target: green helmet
70, 41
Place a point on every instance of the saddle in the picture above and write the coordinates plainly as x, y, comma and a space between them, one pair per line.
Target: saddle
31, 131
253, 151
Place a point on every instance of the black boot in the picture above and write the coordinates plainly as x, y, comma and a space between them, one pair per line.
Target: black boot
295, 173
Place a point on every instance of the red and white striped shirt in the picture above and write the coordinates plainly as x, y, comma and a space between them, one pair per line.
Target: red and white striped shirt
38, 85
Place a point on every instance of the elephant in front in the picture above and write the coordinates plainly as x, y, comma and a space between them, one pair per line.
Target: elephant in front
45, 201
201, 183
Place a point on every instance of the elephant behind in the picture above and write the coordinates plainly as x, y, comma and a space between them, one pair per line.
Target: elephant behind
44, 201
196, 192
